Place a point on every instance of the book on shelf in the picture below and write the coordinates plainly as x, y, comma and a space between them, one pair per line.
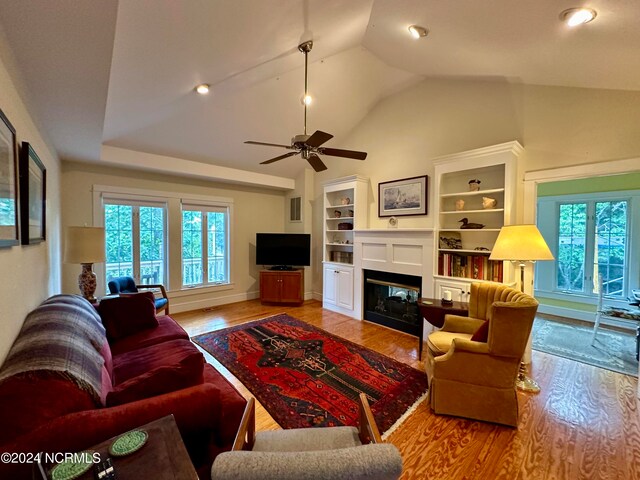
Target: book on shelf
474, 267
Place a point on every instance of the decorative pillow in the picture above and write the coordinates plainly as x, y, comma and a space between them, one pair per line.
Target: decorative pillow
124, 316
186, 373
482, 334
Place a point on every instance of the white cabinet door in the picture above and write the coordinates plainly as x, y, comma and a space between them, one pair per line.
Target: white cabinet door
345, 288
330, 282
460, 291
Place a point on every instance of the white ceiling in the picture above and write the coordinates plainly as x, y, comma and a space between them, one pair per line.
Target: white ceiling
121, 74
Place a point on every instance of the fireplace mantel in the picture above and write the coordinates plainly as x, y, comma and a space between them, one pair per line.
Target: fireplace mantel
397, 250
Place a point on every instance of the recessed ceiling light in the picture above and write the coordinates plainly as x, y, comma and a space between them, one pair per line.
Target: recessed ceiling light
417, 31
202, 89
307, 99
577, 16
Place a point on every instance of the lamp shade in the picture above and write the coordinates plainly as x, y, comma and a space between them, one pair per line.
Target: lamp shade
84, 245
520, 243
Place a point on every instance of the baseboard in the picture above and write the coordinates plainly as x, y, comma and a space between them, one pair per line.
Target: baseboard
567, 312
317, 296
589, 317
179, 307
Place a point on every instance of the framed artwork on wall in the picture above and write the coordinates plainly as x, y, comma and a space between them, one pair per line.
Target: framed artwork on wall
408, 196
33, 190
9, 234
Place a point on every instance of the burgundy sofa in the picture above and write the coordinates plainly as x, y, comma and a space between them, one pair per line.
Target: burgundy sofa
127, 368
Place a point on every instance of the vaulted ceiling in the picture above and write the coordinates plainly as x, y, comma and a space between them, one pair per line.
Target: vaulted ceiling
122, 74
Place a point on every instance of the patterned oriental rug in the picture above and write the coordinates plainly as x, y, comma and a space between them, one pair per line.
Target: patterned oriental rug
307, 377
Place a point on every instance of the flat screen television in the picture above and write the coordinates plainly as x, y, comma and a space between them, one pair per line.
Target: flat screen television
283, 250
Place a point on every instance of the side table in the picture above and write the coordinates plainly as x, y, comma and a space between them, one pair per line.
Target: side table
433, 311
163, 457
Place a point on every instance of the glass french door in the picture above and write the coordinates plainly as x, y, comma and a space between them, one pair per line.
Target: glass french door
135, 241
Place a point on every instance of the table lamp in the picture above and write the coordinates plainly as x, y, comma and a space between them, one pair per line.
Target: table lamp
85, 245
521, 244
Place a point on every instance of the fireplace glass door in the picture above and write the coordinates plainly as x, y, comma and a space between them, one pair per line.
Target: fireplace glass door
392, 300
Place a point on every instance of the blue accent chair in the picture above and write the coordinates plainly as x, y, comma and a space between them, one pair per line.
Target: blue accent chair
128, 285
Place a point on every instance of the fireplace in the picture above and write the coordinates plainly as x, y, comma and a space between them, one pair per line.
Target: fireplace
391, 299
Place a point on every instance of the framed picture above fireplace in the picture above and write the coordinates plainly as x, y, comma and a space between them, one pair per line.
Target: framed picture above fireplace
408, 196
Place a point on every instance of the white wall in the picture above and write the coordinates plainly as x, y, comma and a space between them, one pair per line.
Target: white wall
305, 189
557, 126
29, 273
254, 210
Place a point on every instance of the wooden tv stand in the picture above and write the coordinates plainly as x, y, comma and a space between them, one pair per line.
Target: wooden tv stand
282, 286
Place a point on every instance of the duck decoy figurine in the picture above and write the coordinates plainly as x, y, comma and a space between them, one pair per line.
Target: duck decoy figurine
467, 225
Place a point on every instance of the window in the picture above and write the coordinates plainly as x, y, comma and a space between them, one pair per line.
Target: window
591, 236
135, 240
592, 241
205, 245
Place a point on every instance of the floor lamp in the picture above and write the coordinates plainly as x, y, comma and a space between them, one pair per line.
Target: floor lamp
521, 244
85, 245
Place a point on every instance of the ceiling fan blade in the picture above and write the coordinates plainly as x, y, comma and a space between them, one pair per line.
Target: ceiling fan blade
251, 142
271, 160
318, 138
338, 152
316, 163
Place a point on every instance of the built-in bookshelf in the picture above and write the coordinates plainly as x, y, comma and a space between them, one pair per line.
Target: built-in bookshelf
462, 253
344, 210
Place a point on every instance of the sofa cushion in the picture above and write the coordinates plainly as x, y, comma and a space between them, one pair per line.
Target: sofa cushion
126, 315
164, 379
137, 362
482, 334
167, 329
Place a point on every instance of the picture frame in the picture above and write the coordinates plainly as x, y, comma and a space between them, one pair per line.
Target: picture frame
9, 220
33, 191
450, 241
408, 196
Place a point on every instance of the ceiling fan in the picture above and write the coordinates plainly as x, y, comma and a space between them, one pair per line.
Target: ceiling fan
309, 146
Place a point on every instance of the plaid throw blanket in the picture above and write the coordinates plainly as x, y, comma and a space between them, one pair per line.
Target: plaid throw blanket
63, 336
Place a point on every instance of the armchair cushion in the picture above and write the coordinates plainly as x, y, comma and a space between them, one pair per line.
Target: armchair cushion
122, 285
125, 315
379, 461
300, 440
482, 334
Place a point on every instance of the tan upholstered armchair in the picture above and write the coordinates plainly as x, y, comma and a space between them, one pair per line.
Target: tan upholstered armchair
476, 379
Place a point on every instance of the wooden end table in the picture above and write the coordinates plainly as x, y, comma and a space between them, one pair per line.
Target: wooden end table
433, 311
163, 457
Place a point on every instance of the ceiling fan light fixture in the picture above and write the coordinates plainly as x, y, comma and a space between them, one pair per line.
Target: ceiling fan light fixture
309, 146
577, 16
417, 31
203, 88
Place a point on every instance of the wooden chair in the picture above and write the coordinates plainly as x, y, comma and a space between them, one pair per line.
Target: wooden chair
122, 285
331, 453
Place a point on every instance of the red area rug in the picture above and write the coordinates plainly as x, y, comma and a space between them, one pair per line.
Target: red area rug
307, 377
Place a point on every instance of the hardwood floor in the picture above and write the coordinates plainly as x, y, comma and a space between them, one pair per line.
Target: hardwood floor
585, 424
